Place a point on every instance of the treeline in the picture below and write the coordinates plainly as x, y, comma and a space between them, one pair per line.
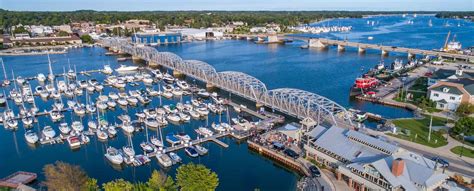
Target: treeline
455, 14
195, 19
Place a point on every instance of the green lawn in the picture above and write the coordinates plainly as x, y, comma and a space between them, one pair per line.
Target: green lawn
419, 131
465, 151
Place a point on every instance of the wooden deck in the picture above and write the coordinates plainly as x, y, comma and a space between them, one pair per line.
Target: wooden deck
17, 178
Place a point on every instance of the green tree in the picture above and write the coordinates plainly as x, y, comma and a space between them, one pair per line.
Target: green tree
192, 177
63, 33
465, 109
91, 185
19, 30
118, 185
87, 39
63, 176
159, 181
464, 125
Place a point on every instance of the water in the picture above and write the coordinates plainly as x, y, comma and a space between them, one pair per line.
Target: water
327, 73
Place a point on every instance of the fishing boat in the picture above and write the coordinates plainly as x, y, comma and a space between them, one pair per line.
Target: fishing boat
175, 157
191, 151
200, 149
363, 84
48, 132
164, 160
172, 139
31, 137
64, 128
124, 68
397, 65
114, 156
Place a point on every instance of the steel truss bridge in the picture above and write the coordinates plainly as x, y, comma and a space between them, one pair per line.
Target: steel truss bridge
294, 102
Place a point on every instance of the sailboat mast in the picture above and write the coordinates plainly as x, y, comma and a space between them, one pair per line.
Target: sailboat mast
4, 71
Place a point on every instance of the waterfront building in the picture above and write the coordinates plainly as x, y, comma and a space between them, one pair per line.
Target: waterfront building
40, 41
444, 74
65, 28
448, 95
368, 163
156, 38
198, 34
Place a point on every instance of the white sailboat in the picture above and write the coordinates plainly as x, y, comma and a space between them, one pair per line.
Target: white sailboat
6, 82
50, 75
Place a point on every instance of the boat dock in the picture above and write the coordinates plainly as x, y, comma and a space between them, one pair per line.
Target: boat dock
18, 178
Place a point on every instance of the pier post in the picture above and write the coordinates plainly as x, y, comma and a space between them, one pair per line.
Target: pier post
361, 50
384, 53
341, 48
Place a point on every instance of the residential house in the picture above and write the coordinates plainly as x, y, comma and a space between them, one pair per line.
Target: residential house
444, 74
449, 94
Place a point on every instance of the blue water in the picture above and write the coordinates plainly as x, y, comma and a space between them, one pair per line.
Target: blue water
328, 73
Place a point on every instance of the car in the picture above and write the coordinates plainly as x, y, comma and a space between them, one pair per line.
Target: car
444, 163
291, 153
315, 171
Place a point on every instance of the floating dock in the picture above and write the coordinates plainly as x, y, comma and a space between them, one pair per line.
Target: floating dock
18, 178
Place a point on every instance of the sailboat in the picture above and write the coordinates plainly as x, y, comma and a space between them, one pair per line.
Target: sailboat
50, 75
430, 23
128, 150
6, 82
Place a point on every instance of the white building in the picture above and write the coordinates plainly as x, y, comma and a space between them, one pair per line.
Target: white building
65, 28
198, 34
40, 30
448, 95
258, 30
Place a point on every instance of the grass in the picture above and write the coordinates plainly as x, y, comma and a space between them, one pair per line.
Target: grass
419, 131
465, 151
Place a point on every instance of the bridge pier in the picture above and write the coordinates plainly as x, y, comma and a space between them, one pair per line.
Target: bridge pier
316, 43
258, 105
341, 48
153, 64
210, 86
385, 53
361, 50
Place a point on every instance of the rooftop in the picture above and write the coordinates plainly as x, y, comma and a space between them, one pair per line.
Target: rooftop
444, 74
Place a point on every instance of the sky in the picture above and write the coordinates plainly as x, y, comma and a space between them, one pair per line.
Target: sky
246, 5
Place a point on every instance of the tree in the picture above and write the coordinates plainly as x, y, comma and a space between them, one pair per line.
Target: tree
87, 39
63, 176
464, 125
19, 30
191, 177
118, 185
159, 181
465, 109
63, 33
91, 185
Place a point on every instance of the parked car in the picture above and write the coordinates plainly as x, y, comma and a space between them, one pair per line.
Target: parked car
291, 153
441, 161
315, 171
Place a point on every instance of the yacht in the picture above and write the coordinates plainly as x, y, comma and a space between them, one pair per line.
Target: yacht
172, 139
74, 141
31, 137
41, 77
200, 149
49, 132
203, 93
128, 127
102, 135
77, 126
114, 156
107, 70
155, 141
218, 127
173, 118
124, 68
182, 84
204, 131
147, 147
191, 151
164, 160
64, 128
151, 122
184, 117
184, 137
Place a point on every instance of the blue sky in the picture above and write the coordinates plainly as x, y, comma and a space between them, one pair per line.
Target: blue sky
170, 5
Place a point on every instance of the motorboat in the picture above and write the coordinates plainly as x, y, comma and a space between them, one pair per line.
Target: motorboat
31, 137
155, 141
167, 94
48, 132
83, 84
173, 118
203, 93
77, 126
191, 151
102, 135
84, 139
55, 115
113, 96
91, 108
147, 147
182, 84
168, 78
71, 104
74, 141
152, 92
92, 125
204, 131
55, 94
114, 156
112, 131
102, 105
200, 149
183, 137
64, 128
122, 101
175, 157
184, 117
151, 122
164, 160
194, 114
125, 118
218, 127
132, 100
111, 104
124, 68
107, 70
79, 109
203, 111
12, 123
128, 127
27, 121
128, 150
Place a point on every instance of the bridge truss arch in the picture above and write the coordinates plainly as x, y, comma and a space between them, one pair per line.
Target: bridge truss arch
241, 84
197, 69
303, 104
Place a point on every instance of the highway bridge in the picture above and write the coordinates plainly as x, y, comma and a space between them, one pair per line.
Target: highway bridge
293, 102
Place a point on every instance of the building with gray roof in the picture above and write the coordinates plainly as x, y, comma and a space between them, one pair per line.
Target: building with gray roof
368, 163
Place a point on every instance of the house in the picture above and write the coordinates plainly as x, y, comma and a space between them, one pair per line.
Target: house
444, 74
449, 94
40, 41
368, 163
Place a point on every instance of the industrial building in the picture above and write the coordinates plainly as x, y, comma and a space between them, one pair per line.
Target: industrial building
157, 38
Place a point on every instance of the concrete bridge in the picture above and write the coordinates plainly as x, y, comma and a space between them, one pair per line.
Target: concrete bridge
384, 49
294, 102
